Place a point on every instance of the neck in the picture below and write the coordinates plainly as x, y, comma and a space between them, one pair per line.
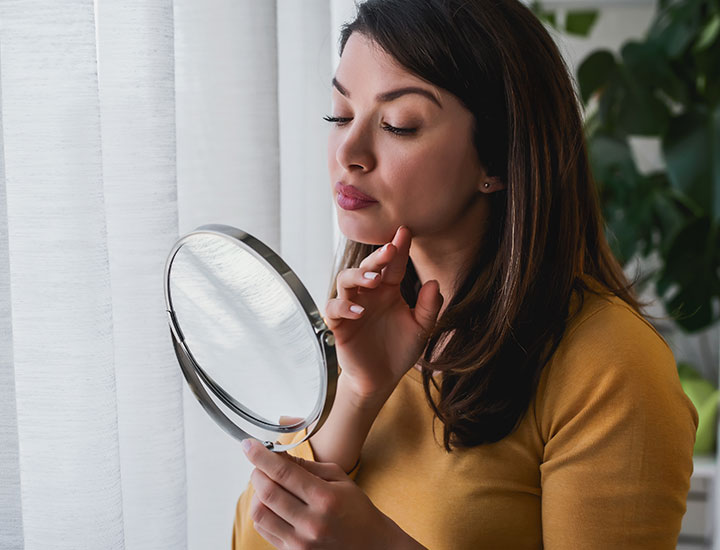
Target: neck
445, 255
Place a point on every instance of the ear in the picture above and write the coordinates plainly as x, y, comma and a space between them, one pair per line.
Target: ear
491, 185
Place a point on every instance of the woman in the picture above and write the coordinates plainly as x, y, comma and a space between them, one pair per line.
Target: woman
499, 387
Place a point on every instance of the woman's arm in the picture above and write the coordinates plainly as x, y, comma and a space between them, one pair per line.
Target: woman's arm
375, 347
343, 434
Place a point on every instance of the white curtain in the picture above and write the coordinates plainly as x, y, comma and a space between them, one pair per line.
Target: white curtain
124, 124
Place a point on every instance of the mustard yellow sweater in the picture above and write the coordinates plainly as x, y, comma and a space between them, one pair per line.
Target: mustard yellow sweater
602, 460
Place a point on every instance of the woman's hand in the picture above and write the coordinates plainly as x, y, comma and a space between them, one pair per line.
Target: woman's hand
377, 346
300, 504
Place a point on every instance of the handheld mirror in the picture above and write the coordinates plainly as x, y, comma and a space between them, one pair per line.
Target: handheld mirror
249, 339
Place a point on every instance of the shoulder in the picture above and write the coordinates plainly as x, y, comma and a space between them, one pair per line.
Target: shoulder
607, 336
612, 359
609, 328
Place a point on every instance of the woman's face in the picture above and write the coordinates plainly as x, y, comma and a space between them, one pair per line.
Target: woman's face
426, 177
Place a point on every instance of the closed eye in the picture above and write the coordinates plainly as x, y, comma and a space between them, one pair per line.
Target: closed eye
340, 121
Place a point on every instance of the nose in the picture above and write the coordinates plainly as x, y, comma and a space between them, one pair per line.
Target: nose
355, 148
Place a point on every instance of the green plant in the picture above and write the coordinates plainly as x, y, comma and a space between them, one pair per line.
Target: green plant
704, 397
665, 86
577, 22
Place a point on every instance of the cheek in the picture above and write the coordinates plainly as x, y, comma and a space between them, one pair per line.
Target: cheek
424, 174
431, 183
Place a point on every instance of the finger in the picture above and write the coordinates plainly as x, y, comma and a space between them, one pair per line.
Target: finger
394, 272
329, 471
428, 305
290, 476
284, 504
336, 310
349, 280
268, 521
379, 258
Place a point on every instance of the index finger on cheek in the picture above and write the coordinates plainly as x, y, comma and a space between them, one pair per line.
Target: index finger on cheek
379, 258
394, 272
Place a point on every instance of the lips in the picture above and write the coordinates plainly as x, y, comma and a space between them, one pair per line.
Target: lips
353, 192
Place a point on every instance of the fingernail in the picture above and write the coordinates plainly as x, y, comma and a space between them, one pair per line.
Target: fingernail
356, 309
246, 444
370, 275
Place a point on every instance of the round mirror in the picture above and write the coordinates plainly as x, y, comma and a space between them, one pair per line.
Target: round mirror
249, 339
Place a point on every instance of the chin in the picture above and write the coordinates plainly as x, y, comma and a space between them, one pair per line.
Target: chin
364, 231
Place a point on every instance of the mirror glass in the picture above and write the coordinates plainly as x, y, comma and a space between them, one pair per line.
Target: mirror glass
246, 331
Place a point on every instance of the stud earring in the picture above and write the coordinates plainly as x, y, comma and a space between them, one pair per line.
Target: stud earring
487, 185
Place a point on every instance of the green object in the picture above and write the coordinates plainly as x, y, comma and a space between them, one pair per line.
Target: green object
705, 397
577, 22
665, 86
580, 22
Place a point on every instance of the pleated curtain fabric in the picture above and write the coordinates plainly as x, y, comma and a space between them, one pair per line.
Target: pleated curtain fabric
252, 86
135, 41
11, 527
229, 173
60, 297
124, 124
89, 183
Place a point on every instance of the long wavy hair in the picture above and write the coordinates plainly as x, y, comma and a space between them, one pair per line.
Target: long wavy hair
545, 236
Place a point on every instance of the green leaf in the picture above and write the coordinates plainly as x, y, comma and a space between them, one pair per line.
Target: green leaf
689, 269
594, 72
693, 310
618, 180
609, 102
687, 372
668, 219
611, 159
692, 153
708, 35
648, 66
544, 15
676, 26
640, 112
580, 22
706, 63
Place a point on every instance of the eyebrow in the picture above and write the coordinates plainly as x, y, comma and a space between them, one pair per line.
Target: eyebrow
392, 94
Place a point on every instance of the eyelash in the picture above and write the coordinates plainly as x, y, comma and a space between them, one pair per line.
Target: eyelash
339, 121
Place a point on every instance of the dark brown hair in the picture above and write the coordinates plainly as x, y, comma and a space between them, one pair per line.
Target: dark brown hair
545, 238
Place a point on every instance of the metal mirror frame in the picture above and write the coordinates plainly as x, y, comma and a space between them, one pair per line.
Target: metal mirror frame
199, 380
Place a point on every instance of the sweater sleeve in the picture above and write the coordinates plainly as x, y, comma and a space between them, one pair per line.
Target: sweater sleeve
244, 536
618, 433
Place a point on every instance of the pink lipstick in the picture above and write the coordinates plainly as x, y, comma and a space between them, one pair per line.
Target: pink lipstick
350, 198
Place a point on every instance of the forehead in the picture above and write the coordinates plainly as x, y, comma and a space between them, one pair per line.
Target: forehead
365, 65
361, 50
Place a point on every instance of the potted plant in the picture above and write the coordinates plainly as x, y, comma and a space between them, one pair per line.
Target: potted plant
665, 86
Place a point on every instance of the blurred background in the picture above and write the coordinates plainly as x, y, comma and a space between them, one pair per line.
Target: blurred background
126, 124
